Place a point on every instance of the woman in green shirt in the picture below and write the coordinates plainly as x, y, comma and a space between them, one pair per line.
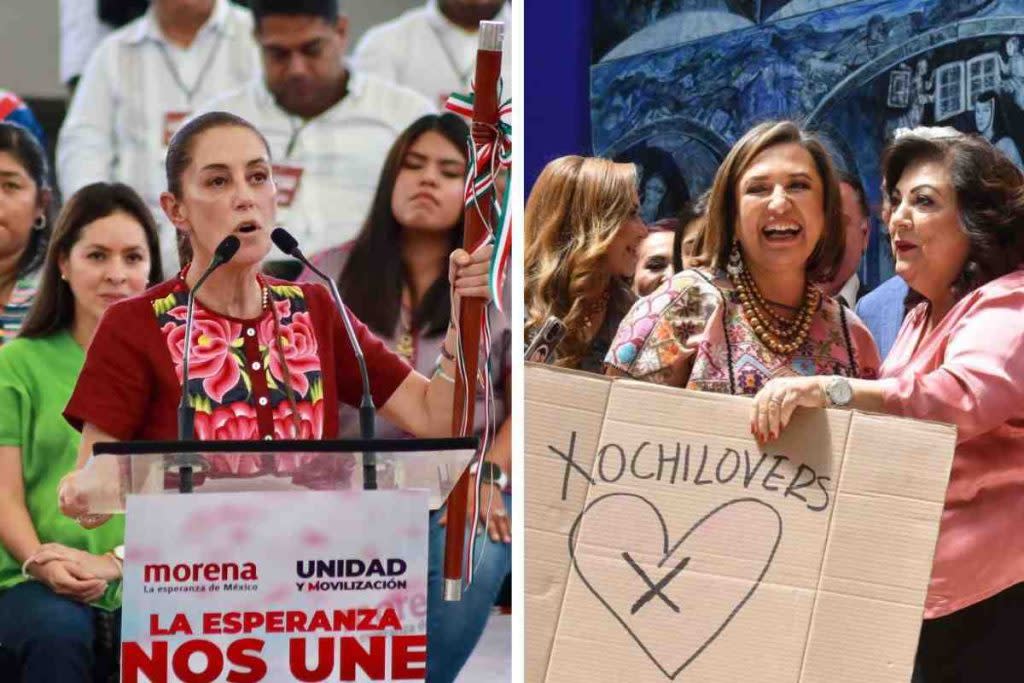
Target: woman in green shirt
54, 573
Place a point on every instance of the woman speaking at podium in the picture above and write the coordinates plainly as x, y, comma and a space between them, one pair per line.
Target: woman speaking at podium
268, 359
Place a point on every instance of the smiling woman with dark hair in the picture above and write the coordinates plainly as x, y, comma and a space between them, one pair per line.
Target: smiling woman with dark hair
956, 220
751, 309
104, 249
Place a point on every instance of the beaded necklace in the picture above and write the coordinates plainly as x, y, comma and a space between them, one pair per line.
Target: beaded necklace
778, 334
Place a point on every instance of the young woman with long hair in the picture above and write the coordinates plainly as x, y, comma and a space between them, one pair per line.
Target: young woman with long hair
394, 278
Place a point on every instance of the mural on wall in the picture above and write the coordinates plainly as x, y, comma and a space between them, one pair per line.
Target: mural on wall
675, 82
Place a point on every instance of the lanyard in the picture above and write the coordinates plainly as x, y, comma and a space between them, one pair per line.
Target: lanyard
461, 74
296, 129
173, 69
298, 125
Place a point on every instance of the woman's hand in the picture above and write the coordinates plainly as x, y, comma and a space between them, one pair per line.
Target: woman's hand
72, 502
469, 273
68, 578
775, 403
492, 512
101, 566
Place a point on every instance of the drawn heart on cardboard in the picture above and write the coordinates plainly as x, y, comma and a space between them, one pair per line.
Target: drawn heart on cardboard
669, 596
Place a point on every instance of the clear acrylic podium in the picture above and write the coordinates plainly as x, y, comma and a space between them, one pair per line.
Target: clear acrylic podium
118, 469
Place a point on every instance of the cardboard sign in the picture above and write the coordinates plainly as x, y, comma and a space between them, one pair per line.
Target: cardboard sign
664, 542
275, 586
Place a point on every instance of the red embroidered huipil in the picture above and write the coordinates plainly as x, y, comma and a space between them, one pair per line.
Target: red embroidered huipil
131, 382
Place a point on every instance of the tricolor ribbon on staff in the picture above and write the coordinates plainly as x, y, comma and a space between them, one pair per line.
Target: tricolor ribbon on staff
486, 162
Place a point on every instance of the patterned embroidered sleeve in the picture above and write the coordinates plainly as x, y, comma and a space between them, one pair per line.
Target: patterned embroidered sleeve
658, 338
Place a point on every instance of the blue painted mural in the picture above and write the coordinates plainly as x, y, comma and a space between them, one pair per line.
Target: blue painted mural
675, 82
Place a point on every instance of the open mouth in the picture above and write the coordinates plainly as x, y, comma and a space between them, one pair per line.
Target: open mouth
781, 232
247, 228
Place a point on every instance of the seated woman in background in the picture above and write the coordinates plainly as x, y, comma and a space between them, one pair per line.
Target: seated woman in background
583, 235
25, 206
104, 249
669, 247
688, 231
654, 265
394, 277
753, 311
956, 221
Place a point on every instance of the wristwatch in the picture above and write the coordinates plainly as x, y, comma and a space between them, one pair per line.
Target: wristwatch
490, 473
838, 392
117, 554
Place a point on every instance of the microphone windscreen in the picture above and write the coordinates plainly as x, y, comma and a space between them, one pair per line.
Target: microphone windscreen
227, 248
284, 241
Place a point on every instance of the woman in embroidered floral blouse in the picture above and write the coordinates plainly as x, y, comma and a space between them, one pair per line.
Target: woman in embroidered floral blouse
957, 231
25, 207
583, 235
270, 359
753, 311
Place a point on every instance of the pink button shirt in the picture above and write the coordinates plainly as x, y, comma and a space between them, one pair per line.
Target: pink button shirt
969, 371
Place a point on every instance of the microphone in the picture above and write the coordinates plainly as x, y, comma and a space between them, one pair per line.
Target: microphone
186, 414
367, 412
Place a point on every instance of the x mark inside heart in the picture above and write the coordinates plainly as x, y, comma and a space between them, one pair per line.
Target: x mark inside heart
656, 588
746, 528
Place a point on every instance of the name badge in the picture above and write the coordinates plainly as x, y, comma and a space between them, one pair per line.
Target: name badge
288, 179
172, 122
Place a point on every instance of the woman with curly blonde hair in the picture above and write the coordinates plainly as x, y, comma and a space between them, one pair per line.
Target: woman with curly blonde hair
583, 231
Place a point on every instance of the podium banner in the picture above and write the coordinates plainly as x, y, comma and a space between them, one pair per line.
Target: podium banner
275, 586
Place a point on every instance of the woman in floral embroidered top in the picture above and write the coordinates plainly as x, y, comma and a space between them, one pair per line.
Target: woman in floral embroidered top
753, 311
270, 360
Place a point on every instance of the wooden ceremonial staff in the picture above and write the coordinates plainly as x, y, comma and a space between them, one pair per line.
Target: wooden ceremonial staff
471, 310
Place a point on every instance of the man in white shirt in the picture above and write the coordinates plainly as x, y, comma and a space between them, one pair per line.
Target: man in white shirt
329, 128
140, 84
432, 48
845, 286
81, 30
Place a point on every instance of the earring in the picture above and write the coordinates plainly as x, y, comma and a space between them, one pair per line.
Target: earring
735, 265
39, 223
63, 277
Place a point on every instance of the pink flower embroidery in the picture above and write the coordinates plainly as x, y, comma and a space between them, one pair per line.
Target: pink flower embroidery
211, 355
299, 346
310, 419
312, 470
235, 421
